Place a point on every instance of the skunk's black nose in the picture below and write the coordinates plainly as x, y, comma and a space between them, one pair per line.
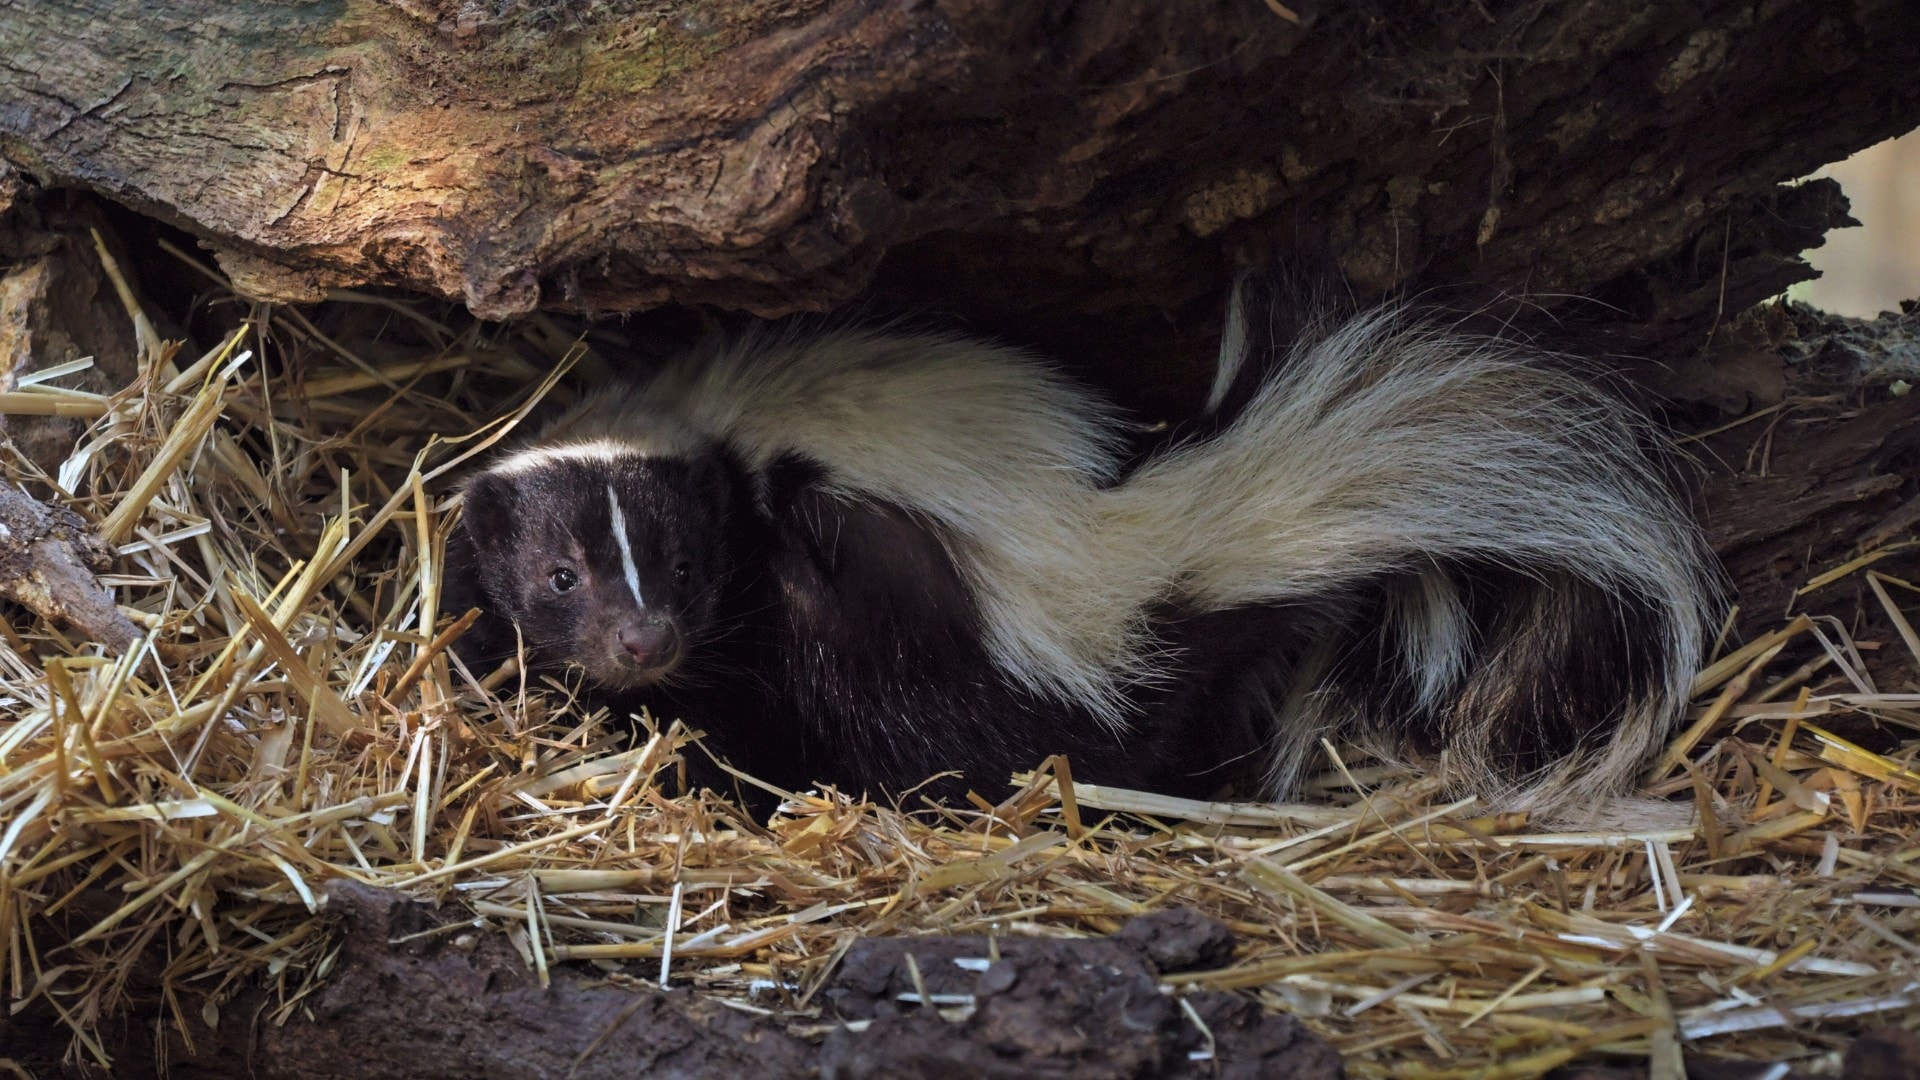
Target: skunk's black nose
652, 642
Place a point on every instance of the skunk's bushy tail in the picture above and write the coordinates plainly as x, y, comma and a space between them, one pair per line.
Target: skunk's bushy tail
1507, 577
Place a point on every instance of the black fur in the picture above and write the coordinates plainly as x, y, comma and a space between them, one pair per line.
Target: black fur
520, 531
1552, 662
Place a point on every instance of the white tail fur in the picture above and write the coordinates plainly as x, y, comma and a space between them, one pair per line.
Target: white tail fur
1390, 448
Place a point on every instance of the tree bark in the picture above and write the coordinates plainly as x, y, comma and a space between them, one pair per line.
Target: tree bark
48, 558
1826, 474
1067, 168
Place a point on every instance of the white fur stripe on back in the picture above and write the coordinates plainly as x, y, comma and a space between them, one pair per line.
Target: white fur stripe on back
626, 549
671, 444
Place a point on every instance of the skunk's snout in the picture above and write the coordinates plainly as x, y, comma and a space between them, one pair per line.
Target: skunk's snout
651, 642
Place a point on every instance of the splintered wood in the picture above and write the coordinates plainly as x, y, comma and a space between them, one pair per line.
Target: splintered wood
290, 716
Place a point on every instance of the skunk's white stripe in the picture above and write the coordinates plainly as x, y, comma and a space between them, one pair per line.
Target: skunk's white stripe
672, 445
626, 549
991, 444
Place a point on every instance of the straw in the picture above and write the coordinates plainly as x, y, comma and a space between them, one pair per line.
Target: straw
292, 717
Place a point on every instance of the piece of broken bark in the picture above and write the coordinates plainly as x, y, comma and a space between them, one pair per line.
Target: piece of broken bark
48, 559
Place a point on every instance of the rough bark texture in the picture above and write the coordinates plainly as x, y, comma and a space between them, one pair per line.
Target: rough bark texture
48, 557
1830, 472
1067, 168
56, 306
406, 1004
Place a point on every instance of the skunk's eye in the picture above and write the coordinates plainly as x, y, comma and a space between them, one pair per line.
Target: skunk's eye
682, 572
564, 581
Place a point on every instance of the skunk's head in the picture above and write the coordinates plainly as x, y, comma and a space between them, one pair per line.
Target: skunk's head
610, 561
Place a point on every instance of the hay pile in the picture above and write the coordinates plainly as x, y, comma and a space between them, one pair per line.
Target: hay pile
290, 716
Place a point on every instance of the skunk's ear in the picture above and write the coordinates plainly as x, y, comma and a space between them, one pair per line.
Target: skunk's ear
488, 512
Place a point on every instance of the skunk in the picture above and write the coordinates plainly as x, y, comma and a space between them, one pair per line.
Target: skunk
871, 558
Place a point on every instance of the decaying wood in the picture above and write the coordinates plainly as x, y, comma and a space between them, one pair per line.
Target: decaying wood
57, 306
48, 557
1829, 472
414, 996
1077, 171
